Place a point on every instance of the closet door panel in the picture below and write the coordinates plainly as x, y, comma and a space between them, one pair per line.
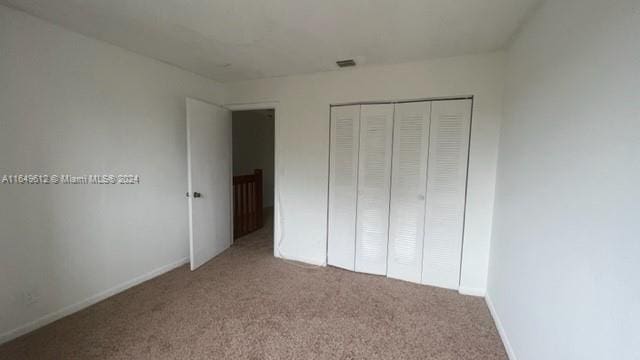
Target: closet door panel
408, 190
374, 177
446, 192
343, 180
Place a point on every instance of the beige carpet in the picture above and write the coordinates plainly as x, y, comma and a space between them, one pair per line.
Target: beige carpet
246, 304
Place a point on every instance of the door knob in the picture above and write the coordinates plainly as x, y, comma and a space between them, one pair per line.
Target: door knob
196, 194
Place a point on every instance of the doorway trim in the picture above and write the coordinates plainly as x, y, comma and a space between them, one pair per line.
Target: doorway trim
277, 228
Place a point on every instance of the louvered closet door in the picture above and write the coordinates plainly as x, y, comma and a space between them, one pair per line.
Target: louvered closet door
446, 190
343, 179
408, 190
374, 177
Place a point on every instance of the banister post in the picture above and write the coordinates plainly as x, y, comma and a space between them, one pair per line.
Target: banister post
259, 209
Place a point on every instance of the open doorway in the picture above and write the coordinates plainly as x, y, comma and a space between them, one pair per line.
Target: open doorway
253, 137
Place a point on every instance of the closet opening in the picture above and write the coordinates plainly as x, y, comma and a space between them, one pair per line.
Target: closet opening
397, 188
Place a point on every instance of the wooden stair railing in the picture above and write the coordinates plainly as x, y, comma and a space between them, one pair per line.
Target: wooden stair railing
247, 203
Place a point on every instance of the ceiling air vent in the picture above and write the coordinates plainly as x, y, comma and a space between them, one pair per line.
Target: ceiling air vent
346, 63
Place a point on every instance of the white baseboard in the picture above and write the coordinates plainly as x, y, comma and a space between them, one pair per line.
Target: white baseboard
501, 331
68, 310
472, 291
314, 262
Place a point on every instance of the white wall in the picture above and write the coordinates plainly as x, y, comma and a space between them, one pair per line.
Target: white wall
253, 147
565, 259
302, 143
69, 104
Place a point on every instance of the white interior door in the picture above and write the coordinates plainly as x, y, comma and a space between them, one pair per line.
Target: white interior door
374, 177
408, 190
446, 192
210, 180
343, 182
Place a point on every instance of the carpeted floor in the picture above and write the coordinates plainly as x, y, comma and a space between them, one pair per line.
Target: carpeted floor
246, 304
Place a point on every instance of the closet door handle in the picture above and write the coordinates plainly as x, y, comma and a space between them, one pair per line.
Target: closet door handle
421, 197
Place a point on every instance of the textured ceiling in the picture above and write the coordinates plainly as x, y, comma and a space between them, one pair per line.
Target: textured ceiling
230, 40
